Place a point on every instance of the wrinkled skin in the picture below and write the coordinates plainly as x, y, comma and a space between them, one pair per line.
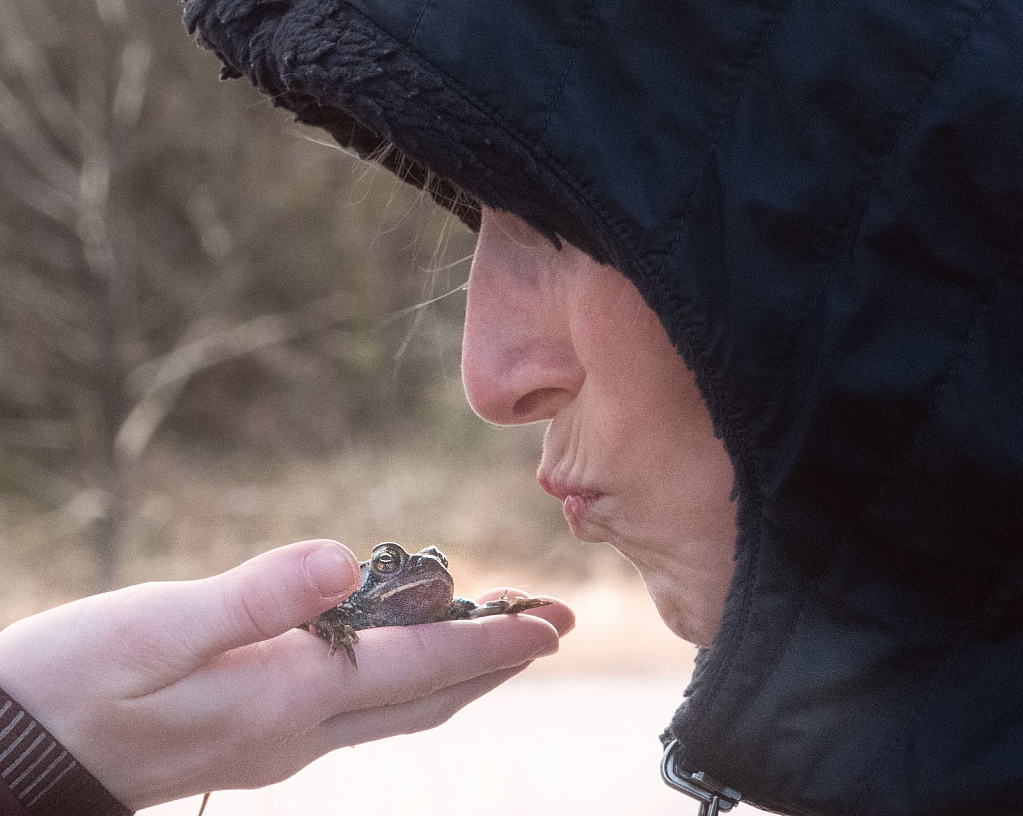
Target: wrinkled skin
630, 450
404, 589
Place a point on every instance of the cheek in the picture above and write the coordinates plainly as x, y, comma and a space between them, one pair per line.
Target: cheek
642, 416
622, 345
639, 387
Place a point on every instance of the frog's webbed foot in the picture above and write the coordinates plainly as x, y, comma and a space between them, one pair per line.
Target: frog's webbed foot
508, 606
502, 606
334, 628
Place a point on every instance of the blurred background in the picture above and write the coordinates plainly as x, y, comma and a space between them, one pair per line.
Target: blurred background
221, 334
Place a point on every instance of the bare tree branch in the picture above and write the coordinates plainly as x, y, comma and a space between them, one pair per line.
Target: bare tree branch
33, 144
34, 70
132, 261
165, 378
131, 84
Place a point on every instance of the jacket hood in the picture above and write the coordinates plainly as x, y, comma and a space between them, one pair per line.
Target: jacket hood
823, 203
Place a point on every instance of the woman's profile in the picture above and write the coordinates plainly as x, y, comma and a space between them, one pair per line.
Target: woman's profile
757, 266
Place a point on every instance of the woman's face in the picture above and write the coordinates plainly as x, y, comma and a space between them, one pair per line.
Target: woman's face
630, 449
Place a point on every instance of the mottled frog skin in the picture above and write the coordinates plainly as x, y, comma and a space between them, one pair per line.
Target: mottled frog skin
404, 589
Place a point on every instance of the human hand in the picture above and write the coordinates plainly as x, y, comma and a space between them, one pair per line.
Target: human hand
165, 690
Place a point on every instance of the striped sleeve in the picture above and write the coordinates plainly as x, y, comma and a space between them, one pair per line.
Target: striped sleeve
38, 777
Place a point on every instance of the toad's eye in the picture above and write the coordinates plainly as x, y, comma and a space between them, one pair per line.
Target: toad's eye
386, 561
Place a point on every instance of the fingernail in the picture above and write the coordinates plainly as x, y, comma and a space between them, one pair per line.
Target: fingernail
332, 569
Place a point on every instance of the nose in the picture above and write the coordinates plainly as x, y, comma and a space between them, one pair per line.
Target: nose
518, 360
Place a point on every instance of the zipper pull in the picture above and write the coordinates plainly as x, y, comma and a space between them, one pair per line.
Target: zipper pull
713, 797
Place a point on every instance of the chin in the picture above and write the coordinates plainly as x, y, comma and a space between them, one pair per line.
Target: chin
584, 519
682, 618
686, 629
588, 534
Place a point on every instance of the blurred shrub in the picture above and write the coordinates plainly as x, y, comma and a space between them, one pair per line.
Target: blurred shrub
183, 267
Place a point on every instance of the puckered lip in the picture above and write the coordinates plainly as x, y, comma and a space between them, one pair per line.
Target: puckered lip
562, 490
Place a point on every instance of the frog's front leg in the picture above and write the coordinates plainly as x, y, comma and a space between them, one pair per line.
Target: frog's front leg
333, 627
462, 609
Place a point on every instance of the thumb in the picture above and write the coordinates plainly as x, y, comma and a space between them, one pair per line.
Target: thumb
260, 599
276, 591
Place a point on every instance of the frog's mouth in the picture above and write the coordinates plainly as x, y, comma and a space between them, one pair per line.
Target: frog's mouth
407, 586
427, 587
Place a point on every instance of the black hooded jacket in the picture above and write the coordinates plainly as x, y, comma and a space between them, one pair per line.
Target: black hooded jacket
823, 203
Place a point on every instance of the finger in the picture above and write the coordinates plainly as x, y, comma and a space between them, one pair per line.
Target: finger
292, 683
399, 664
191, 622
409, 663
274, 592
357, 727
556, 613
293, 751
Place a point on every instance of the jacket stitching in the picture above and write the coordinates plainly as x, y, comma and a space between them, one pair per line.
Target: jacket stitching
419, 19
943, 667
903, 452
856, 219
733, 427
568, 67
737, 424
887, 479
987, 611
943, 664
722, 126
743, 459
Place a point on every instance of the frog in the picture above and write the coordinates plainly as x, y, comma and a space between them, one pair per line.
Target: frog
398, 588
